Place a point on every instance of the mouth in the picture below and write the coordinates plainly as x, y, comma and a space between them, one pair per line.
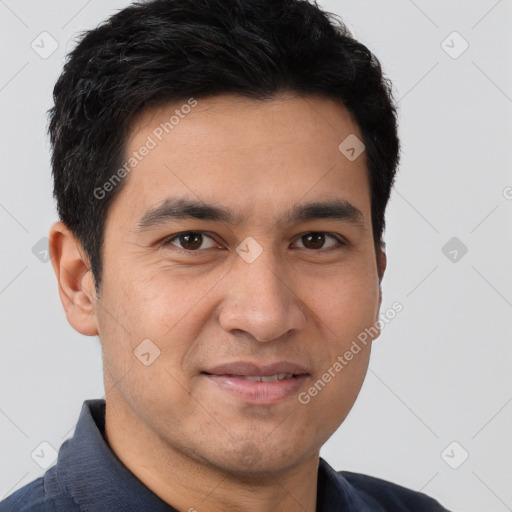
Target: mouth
259, 378
257, 386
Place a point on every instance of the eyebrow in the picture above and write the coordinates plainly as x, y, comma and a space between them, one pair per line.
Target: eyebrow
181, 209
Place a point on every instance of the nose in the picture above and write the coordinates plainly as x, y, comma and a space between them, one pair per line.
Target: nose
260, 300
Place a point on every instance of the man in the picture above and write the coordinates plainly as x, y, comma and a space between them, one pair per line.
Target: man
221, 169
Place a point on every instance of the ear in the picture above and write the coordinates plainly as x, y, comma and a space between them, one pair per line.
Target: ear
75, 279
381, 267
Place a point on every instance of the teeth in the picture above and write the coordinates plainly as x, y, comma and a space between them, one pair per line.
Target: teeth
254, 379
268, 378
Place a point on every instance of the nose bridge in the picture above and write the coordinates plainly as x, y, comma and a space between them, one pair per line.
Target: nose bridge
259, 300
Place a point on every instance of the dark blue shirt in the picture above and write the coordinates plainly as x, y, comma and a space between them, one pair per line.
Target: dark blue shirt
88, 477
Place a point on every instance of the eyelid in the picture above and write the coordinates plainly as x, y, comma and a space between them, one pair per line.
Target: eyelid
341, 240
166, 242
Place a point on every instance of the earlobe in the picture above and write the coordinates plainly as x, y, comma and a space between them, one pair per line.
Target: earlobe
74, 278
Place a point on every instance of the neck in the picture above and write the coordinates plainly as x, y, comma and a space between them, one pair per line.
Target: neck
195, 485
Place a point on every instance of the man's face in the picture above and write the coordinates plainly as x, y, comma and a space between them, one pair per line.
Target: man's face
299, 290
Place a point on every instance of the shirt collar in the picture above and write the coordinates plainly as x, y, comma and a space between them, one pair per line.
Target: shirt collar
98, 481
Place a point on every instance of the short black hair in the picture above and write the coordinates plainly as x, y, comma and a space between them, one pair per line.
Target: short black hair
160, 51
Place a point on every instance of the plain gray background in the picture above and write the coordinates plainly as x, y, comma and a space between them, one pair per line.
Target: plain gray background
439, 386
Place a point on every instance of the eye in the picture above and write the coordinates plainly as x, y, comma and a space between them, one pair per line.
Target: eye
315, 240
191, 241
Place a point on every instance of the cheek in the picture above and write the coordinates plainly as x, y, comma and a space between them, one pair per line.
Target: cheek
344, 302
155, 304
333, 391
153, 299
134, 311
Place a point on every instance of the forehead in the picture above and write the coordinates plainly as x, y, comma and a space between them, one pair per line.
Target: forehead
243, 122
247, 153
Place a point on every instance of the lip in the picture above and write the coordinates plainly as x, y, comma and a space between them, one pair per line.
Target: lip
229, 378
258, 393
264, 369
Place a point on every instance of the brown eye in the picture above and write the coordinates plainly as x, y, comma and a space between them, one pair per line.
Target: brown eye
313, 240
190, 241
316, 240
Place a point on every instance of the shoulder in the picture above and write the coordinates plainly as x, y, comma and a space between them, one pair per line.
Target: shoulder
391, 496
40, 495
29, 497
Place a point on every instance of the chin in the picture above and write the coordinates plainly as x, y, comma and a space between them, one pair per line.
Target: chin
252, 460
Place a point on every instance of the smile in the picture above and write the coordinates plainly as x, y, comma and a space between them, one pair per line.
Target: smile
258, 389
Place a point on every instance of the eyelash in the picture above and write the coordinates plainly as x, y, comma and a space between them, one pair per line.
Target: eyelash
337, 238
